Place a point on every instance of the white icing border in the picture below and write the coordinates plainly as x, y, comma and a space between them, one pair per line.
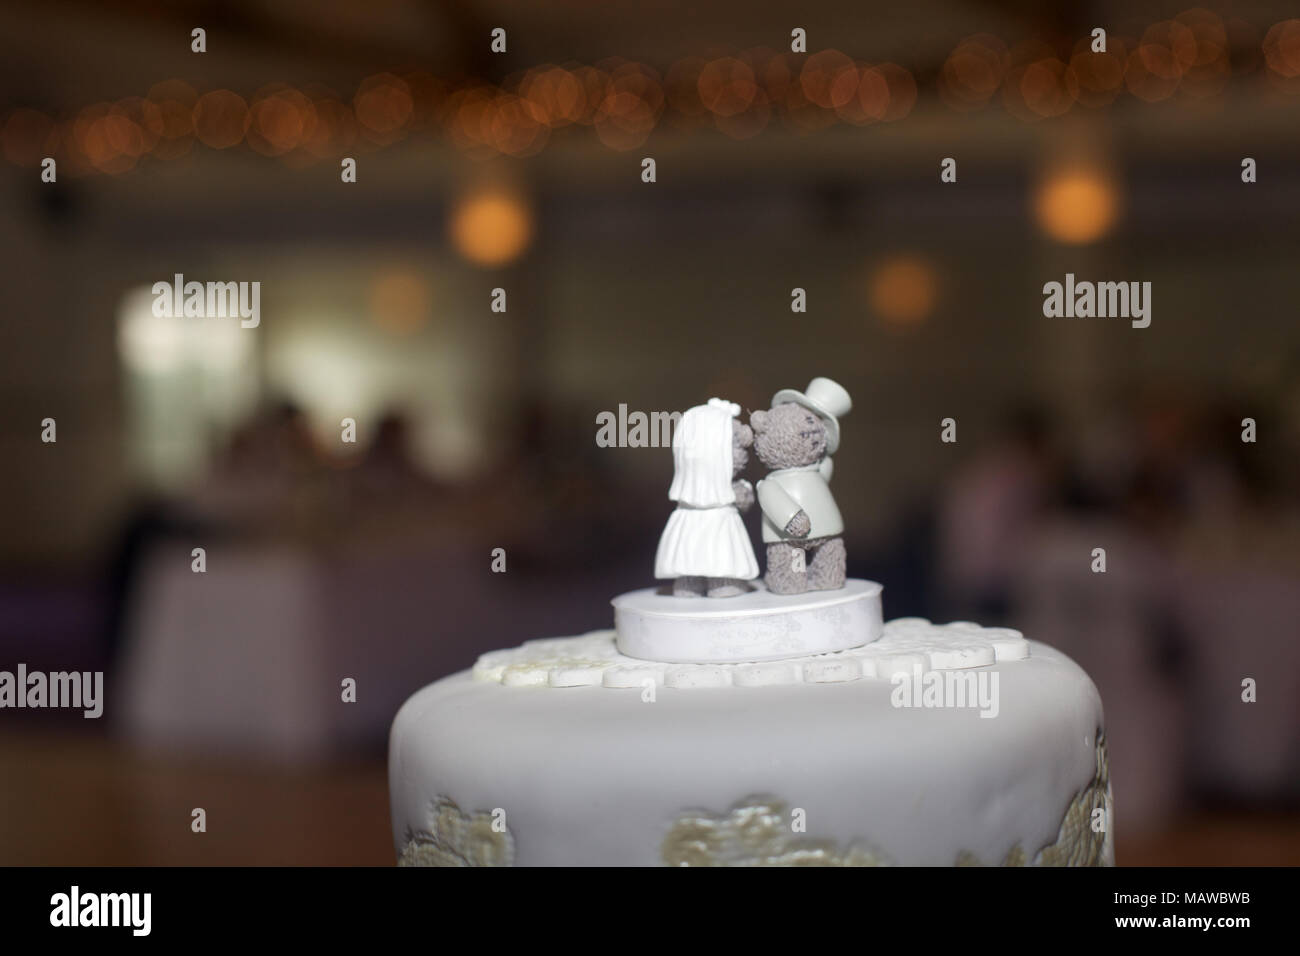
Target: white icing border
908, 644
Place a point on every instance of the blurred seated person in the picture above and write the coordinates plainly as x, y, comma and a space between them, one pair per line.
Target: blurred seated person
987, 508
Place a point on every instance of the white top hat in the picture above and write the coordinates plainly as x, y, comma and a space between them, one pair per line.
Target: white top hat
827, 399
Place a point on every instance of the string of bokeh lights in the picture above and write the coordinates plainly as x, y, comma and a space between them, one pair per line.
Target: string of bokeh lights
1194, 55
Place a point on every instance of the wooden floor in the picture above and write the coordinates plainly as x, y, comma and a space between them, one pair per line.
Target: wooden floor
88, 801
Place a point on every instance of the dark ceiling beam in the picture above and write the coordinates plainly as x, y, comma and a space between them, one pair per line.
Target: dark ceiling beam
305, 38
471, 37
1047, 20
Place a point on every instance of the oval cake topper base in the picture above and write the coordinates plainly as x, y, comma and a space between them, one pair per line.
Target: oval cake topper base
654, 625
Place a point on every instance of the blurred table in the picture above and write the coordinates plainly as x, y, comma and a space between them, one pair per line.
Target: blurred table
249, 657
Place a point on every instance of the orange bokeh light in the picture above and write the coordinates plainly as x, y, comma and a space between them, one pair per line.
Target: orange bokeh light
1282, 54
903, 290
973, 72
491, 228
384, 107
829, 79
1077, 206
220, 119
281, 119
727, 86
553, 95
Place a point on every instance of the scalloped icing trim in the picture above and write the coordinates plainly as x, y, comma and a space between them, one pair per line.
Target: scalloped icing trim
907, 644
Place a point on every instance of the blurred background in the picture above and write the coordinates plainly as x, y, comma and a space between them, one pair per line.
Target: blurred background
475, 429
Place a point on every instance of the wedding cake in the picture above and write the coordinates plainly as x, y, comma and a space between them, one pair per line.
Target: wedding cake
734, 722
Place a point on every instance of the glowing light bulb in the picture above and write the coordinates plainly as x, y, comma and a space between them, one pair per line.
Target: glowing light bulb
491, 228
903, 290
1077, 206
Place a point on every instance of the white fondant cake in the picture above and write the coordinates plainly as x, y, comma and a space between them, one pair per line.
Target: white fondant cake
931, 745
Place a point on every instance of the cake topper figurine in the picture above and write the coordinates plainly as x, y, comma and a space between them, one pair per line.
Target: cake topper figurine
802, 527
705, 548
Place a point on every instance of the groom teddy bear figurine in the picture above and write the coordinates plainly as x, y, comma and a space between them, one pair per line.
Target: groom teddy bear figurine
802, 527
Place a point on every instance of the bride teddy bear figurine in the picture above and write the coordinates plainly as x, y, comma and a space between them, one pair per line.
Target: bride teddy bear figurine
705, 548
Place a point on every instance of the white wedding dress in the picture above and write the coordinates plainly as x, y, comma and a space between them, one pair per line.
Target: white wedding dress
705, 536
